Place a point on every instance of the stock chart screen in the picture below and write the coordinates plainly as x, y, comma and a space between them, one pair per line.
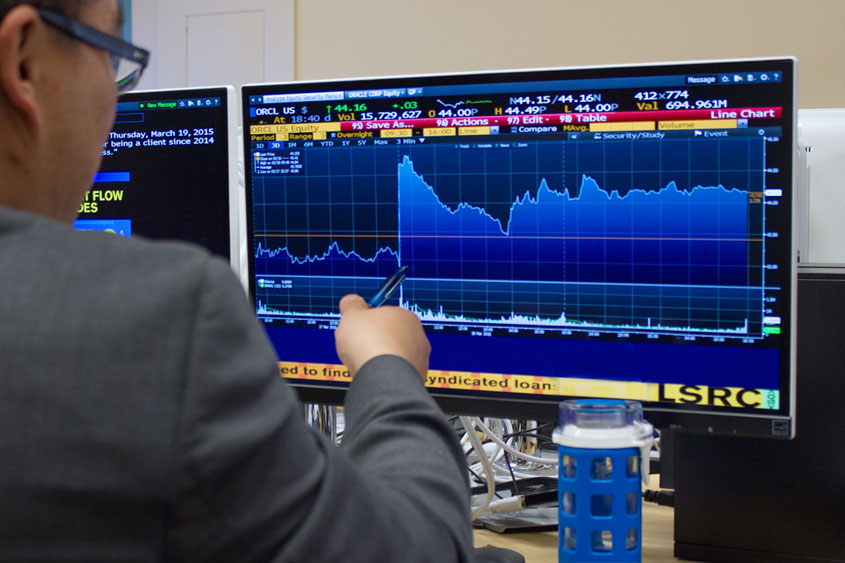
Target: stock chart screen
607, 232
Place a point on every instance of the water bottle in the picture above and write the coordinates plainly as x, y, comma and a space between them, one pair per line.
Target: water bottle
604, 454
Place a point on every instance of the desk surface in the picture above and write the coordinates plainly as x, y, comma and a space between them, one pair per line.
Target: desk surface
541, 547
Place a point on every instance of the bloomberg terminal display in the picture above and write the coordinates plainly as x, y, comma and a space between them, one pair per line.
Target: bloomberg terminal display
594, 232
168, 170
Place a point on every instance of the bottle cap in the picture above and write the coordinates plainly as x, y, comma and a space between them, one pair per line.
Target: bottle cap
605, 424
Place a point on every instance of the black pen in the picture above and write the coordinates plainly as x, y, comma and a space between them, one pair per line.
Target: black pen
387, 287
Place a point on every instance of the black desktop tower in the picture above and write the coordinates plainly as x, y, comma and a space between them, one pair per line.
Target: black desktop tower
743, 500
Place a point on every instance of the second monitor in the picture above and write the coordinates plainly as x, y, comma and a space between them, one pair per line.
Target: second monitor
169, 170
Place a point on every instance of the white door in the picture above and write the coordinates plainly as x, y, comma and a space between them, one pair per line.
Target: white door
210, 42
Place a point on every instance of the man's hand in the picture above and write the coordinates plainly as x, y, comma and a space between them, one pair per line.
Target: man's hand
365, 333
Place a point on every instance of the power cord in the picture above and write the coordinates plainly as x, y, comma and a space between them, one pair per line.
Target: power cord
485, 464
491, 455
512, 451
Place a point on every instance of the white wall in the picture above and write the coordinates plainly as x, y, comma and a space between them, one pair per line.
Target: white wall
206, 42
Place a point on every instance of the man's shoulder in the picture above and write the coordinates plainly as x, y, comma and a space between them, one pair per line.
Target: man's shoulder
38, 242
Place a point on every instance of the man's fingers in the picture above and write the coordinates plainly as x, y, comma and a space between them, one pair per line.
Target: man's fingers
351, 303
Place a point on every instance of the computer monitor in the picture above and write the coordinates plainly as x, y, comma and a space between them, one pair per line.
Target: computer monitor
169, 170
621, 232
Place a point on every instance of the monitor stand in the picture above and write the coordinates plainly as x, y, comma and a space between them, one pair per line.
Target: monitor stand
532, 519
540, 516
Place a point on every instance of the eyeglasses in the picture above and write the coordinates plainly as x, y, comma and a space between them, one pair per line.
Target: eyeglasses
127, 60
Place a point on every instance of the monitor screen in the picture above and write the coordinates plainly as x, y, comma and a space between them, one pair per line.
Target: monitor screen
169, 170
619, 232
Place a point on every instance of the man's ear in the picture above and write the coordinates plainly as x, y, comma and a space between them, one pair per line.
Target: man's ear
21, 48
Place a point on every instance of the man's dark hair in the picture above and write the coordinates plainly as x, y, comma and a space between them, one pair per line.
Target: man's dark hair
69, 8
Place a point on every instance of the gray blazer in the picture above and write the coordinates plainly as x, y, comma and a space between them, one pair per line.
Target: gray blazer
142, 418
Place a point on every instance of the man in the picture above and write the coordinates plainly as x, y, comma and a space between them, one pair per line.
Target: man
142, 416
